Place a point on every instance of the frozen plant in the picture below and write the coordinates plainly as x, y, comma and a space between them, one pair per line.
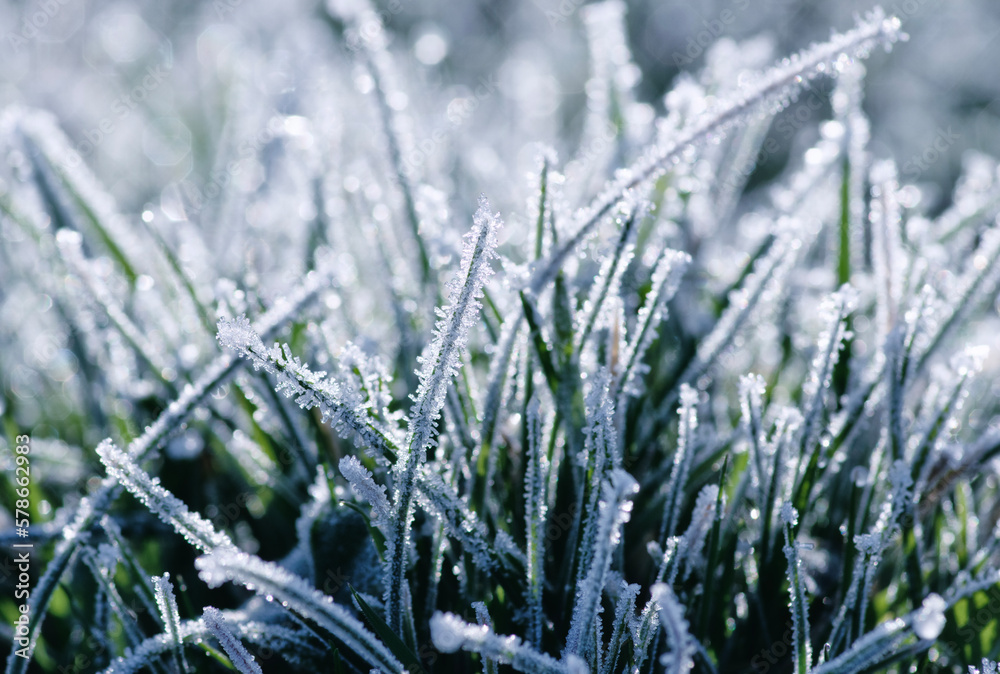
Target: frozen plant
646, 410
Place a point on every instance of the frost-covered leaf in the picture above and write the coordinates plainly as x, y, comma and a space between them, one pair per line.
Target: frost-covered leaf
198, 531
237, 652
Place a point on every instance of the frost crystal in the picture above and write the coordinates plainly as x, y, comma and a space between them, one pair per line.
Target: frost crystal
798, 601
887, 254
615, 510
364, 487
680, 658
666, 278
297, 595
683, 456
440, 362
901, 494
198, 531
338, 403
789, 515
988, 667
772, 90
535, 512
238, 334
450, 633
169, 614
237, 652
868, 544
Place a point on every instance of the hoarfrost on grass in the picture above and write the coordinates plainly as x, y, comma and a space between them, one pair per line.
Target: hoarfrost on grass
535, 452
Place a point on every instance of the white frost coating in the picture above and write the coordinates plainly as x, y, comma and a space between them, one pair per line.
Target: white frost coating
768, 271
852, 121
928, 622
667, 274
167, 603
975, 193
770, 92
901, 486
970, 361
364, 486
601, 456
833, 311
644, 631
752, 389
701, 522
798, 601
680, 658
502, 366
258, 466
789, 515
683, 457
297, 595
980, 279
600, 429
624, 617
451, 471
887, 247
198, 531
340, 405
192, 395
65, 162
869, 544
219, 369
450, 633
535, 513
609, 95
885, 638
440, 499
816, 388
369, 382
237, 652
334, 400
607, 283
70, 246
988, 667
889, 636
482, 614
440, 362
615, 510
290, 642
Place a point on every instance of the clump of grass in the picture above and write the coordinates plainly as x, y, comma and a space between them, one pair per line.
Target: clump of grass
610, 432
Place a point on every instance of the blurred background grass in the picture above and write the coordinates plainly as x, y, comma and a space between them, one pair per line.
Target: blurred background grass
933, 98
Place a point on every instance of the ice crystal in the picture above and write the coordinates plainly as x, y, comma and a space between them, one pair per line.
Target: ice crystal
237, 652
366, 488
167, 603
198, 531
615, 510
988, 667
680, 657
450, 633
683, 457
296, 595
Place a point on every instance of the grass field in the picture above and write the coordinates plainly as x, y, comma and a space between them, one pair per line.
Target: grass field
560, 337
